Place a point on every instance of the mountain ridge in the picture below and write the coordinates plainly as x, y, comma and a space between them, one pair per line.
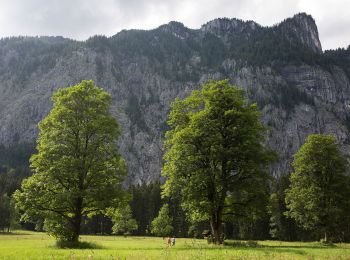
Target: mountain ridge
299, 88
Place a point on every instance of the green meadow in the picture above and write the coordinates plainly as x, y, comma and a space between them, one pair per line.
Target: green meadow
33, 245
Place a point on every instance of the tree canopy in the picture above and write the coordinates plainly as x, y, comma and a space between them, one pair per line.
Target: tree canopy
78, 170
123, 223
162, 224
215, 155
318, 196
7, 213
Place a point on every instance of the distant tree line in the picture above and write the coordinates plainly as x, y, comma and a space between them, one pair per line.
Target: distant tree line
14, 167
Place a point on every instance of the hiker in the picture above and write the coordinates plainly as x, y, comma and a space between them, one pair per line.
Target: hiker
168, 241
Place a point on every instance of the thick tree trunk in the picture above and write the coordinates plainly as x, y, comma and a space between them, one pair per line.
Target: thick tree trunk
76, 229
77, 220
216, 228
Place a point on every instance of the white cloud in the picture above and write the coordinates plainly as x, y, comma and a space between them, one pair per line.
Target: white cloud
333, 21
80, 19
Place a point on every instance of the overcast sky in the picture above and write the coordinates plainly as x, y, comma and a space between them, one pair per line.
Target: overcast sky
79, 19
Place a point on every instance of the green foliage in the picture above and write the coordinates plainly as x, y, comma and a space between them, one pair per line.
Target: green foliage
280, 226
98, 224
215, 157
32, 55
318, 196
180, 221
197, 228
77, 170
16, 154
275, 45
59, 227
213, 51
134, 111
77, 245
145, 205
167, 54
123, 223
7, 213
275, 217
14, 166
339, 57
162, 224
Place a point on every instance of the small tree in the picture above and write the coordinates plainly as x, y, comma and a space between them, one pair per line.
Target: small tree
162, 224
78, 170
215, 155
123, 223
318, 196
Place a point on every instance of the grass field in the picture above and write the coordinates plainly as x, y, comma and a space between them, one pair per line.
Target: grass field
31, 245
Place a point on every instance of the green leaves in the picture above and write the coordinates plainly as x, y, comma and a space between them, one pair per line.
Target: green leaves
215, 152
78, 170
122, 220
318, 193
162, 224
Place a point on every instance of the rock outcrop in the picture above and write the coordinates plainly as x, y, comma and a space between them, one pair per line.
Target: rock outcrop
300, 89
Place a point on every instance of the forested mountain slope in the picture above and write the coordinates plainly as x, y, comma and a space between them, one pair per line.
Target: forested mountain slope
299, 88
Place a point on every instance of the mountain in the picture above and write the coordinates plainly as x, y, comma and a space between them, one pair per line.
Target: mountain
299, 88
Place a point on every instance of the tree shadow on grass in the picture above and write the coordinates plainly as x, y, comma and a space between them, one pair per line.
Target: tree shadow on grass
77, 245
255, 244
308, 247
259, 248
244, 244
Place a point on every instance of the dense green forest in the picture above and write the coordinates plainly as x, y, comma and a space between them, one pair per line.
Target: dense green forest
14, 165
146, 202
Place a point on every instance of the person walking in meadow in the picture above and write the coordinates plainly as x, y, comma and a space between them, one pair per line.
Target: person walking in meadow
173, 241
168, 241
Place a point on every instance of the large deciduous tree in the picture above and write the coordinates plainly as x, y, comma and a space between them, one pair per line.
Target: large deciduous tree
78, 170
318, 196
215, 155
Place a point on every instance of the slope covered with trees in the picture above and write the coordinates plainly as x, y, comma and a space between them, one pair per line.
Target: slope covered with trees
299, 88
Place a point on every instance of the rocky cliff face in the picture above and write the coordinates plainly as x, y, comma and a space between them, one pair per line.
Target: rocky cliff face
300, 89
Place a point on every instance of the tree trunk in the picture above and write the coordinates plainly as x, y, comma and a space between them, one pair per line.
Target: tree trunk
216, 228
325, 237
76, 229
77, 220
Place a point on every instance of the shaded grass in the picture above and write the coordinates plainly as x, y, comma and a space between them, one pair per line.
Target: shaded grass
249, 243
34, 245
77, 245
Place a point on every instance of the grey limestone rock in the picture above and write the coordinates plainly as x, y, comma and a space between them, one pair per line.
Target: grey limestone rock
145, 71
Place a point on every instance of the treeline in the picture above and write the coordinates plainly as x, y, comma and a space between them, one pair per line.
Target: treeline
146, 203
170, 55
14, 167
